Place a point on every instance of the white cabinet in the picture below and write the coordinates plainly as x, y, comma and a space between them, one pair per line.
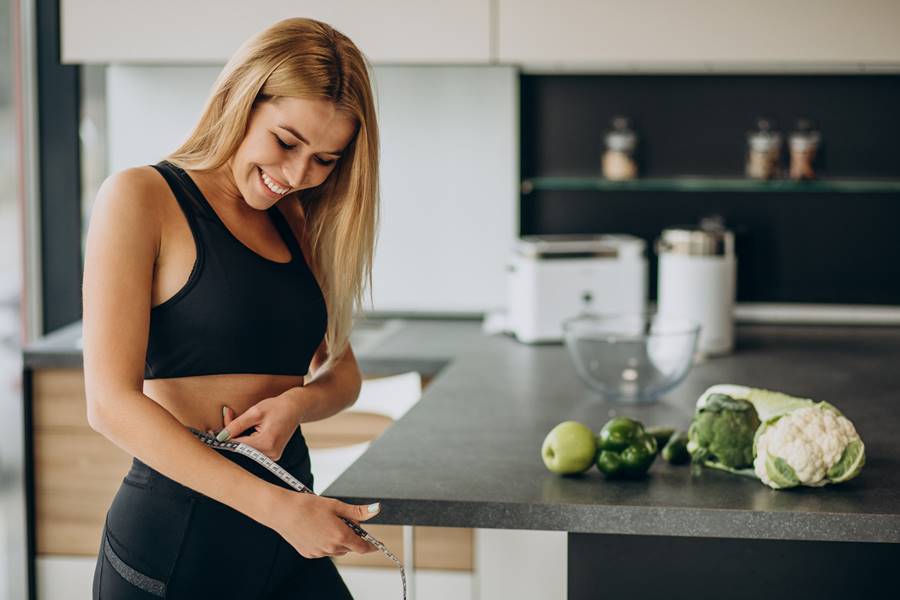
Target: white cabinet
209, 31
63, 577
521, 564
696, 35
371, 583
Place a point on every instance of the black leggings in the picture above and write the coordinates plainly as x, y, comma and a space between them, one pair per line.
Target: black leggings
164, 540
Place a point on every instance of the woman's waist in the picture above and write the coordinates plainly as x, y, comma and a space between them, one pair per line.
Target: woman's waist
295, 459
197, 401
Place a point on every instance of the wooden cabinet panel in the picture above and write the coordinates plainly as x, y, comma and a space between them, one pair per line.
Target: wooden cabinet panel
76, 470
445, 548
345, 429
449, 548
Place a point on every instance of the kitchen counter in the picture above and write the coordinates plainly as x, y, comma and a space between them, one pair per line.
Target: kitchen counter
468, 453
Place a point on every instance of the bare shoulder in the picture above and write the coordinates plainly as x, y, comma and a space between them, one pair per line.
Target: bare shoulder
134, 199
142, 183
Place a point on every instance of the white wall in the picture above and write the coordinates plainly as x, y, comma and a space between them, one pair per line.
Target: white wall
449, 171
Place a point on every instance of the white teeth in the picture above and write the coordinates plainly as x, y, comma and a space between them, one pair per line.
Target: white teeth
272, 185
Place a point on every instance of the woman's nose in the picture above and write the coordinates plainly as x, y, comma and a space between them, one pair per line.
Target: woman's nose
295, 174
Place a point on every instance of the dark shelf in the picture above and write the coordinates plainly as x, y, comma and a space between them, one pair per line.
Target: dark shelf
690, 183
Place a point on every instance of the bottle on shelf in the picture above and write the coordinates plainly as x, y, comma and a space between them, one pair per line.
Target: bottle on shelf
804, 144
763, 150
618, 161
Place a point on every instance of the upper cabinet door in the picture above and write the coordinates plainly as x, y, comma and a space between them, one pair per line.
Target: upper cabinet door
704, 35
209, 31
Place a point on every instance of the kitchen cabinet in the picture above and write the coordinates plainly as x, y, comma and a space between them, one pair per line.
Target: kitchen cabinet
209, 31
526, 565
698, 35
425, 584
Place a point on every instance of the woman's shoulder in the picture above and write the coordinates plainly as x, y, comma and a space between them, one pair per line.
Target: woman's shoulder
142, 183
135, 195
126, 201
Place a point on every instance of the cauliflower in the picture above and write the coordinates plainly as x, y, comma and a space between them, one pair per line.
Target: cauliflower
812, 446
799, 442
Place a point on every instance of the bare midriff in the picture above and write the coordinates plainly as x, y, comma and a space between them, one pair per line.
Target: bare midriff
197, 401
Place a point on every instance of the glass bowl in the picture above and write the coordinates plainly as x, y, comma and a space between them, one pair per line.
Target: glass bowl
631, 358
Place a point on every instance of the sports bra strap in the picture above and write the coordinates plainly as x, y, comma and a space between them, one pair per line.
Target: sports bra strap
287, 234
176, 178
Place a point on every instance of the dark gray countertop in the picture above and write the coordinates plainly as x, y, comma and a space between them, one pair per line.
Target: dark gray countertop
468, 453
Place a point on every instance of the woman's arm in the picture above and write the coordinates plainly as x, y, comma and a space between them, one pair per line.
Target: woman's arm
329, 392
121, 250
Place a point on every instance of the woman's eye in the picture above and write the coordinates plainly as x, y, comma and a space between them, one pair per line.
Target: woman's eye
283, 144
287, 146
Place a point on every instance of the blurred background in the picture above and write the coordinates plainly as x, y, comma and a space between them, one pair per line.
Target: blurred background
12, 508
500, 119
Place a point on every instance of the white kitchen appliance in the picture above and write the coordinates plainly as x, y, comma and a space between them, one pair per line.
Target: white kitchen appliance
554, 277
697, 272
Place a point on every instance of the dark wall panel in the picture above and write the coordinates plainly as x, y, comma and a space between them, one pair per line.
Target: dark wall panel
792, 247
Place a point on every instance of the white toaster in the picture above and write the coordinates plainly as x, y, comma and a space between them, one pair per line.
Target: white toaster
554, 277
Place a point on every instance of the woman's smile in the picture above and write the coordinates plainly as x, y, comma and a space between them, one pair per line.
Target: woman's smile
271, 187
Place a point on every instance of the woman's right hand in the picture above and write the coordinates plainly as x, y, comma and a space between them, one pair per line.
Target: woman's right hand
312, 525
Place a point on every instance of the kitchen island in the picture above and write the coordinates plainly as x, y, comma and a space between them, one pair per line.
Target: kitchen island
468, 455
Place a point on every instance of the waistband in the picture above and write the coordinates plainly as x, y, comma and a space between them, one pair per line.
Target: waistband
295, 460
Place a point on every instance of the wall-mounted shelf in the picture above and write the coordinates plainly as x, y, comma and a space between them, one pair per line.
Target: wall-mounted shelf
690, 183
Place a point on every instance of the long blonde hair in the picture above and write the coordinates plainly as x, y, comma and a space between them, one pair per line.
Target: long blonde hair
306, 58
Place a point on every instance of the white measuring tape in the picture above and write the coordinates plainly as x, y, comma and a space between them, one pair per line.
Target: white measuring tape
274, 467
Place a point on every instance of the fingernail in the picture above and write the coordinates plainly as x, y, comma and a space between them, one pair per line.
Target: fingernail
224, 411
223, 435
375, 507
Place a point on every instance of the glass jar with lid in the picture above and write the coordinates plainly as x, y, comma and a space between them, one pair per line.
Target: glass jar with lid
618, 161
804, 144
763, 150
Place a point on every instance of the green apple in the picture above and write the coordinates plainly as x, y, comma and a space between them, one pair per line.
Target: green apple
569, 448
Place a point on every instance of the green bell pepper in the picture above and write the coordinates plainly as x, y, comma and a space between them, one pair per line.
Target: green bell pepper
675, 451
624, 448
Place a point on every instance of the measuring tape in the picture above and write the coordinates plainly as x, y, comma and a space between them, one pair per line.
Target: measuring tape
274, 467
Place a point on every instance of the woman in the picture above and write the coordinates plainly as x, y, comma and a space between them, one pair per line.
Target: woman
219, 290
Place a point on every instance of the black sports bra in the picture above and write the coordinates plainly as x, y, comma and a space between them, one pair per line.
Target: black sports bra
239, 312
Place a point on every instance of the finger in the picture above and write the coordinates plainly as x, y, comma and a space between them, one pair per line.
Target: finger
235, 426
247, 439
227, 415
357, 512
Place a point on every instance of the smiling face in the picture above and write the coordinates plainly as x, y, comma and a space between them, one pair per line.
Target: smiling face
290, 144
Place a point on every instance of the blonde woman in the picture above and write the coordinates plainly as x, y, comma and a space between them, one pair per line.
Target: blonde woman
219, 290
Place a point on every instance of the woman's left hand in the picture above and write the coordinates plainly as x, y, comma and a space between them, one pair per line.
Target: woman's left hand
274, 420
